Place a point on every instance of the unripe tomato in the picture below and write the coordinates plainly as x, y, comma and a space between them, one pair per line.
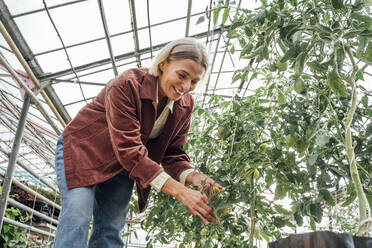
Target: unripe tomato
281, 66
299, 86
290, 140
256, 174
263, 148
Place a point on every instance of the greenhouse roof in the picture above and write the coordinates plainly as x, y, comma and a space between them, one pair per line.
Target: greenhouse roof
75, 47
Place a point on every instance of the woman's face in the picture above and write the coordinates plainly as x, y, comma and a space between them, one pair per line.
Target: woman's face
179, 77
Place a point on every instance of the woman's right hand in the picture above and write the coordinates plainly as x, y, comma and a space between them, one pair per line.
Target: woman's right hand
194, 201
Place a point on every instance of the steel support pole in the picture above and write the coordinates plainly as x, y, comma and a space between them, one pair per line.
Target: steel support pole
104, 23
133, 18
13, 158
188, 18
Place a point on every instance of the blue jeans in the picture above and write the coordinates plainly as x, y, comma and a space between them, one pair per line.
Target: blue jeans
107, 202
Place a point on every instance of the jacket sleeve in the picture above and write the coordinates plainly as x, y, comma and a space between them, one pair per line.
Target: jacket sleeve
175, 159
124, 129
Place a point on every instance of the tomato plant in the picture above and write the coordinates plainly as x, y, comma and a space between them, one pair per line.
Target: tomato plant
304, 134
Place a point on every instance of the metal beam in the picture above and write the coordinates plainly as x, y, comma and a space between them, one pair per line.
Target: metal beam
51, 7
211, 67
29, 170
108, 40
31, 228
24, 49
129, 55
32, 211
189, 6
133, 19
40, 107
149, 26
13, 157
115, 35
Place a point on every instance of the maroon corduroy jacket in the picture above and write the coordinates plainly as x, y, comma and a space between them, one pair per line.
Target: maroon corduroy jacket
112, 133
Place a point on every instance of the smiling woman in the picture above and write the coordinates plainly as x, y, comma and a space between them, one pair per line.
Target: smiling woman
137, 122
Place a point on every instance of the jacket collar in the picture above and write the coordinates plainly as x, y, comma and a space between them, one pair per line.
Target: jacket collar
148, 90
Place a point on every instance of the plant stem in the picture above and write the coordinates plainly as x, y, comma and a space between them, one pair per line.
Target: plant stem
253, 217
364, 208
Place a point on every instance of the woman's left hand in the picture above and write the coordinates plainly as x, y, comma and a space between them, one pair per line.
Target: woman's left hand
197, 179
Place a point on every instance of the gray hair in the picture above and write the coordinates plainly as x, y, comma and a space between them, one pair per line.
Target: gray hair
185, 48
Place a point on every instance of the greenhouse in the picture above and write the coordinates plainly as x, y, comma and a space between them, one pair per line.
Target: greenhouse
194, 124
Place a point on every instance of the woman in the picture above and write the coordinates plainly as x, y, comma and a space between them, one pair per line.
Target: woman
137, 122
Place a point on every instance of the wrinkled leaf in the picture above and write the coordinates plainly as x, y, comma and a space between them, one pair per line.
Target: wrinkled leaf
336, 84
322, 140
327, 197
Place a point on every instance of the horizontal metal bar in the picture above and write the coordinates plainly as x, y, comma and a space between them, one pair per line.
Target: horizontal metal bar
79, 101
32, 211
109, 68
51, 7
31, 228
56, 81
33, 192
30, 171
29, 92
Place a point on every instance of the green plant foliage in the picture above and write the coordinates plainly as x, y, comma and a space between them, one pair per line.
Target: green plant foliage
301, 126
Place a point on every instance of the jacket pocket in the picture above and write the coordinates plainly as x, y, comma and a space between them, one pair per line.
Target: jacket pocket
95, 150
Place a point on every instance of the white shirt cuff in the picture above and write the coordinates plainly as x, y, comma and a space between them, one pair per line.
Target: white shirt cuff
159, 181
184, 174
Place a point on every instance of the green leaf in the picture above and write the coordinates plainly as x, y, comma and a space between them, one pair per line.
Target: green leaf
337, 4
232, 49
323, 29
312, 159
260, 17
287, 31
336, 84
316, 211
369, 130
216, 13
322, 140
327, 197
365, 20
366, 33
351, 34
236, 24
225, 15
365, 101
312, 224
368, 52
200, 20
279, 222
264, 235
281, 98
300, 62
298, 218
248, 31
282, 210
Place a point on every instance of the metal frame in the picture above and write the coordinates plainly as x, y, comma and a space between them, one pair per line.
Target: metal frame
12, 159
133, 18
26, 53
108, 40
